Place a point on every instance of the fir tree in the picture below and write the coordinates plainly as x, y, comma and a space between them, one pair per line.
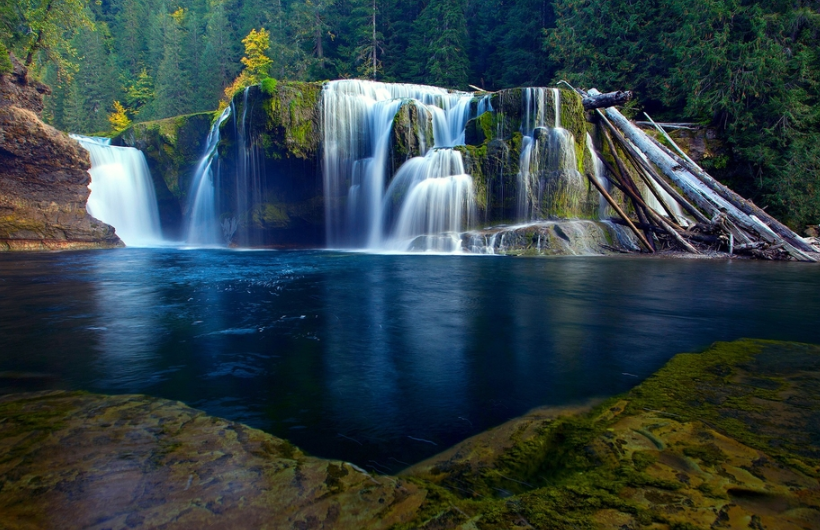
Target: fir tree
441, 45
173, 88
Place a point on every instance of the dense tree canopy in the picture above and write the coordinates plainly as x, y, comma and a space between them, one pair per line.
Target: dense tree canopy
751, 68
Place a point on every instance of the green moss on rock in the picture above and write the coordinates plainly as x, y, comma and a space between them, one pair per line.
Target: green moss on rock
293, 117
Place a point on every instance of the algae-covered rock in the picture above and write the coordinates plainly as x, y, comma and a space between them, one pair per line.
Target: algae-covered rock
269, 178
726, 438
411, 134
173, 148
294, 121
551, 238
74, 460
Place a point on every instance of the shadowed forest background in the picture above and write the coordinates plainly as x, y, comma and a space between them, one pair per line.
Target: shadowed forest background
750, 69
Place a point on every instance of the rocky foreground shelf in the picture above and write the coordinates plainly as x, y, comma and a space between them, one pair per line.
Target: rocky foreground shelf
728, 438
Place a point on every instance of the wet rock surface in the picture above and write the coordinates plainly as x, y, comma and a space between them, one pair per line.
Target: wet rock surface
727, 438
73, 460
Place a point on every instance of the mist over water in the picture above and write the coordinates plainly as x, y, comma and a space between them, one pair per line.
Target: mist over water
358, 357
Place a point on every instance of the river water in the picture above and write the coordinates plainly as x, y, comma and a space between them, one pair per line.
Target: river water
381, 360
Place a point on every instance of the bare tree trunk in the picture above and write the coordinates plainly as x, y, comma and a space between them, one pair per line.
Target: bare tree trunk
597, 101
704, 197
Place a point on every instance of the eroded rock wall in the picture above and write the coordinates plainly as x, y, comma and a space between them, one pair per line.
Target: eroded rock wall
269, 170
43, 177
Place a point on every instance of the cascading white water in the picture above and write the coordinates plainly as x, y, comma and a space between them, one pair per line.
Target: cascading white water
122, 193
203, 227
435, 202
604, 210
249, 188
360, 210
542, 142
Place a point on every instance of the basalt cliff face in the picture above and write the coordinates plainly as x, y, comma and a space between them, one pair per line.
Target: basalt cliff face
43, 177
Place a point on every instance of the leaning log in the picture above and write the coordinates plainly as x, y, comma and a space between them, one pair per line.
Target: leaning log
620, 212
746, 206
610, 99
705, 198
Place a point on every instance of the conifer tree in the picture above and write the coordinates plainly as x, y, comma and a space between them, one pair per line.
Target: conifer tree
441, 43
257, 63
173, 88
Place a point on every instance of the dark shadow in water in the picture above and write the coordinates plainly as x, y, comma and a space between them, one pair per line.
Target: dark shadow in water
378, 360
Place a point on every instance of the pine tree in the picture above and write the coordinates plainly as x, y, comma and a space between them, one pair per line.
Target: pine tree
441, 43
219, 57
173, 88
139, 94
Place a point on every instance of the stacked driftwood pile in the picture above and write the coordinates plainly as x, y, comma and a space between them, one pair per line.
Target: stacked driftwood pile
723, 220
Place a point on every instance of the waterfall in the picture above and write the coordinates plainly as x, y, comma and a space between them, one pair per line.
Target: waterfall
435, 202
223, 205
249, 189
547, 164
432, 195
598, 169
203, 227
122, 193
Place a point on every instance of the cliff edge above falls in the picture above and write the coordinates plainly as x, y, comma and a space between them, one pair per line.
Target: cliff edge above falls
43, 176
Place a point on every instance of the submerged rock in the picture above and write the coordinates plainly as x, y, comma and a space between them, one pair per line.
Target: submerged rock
74, 460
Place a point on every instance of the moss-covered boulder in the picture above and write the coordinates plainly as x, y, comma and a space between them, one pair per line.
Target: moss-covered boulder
411, 134
270, 182
293, 126
726, 438
173, 148
553, 183
74, 460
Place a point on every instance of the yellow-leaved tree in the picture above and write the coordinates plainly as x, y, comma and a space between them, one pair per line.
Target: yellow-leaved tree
257, 63
119, 118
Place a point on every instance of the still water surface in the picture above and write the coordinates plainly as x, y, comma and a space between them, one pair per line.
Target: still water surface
380, 360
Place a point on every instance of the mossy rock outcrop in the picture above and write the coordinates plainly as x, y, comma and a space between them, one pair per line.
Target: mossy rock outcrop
269, 153
726, 438
294, 118
556, 186
173, 148
411, 134
43, 175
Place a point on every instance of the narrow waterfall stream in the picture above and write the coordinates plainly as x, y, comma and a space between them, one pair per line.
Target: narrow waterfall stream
203, 226
122, 193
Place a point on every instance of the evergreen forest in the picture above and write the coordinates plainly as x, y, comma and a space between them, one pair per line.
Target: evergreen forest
749, 69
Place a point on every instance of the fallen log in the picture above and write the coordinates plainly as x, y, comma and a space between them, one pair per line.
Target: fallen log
645, 212
701, 194
744, 205
628, 187
673, 126
617, 208
691, 210
610, 99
